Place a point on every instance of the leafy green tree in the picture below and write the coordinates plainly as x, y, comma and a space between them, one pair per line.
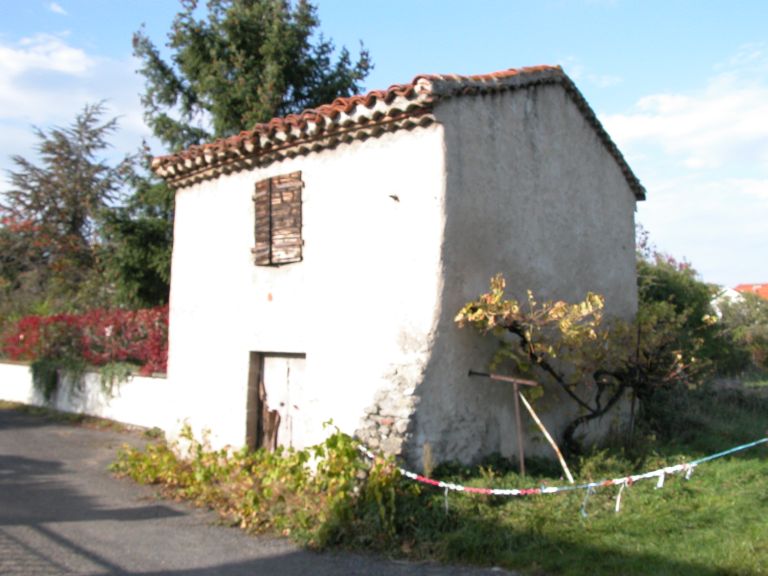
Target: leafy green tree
140, 236
245, 62
233, 63
663, 280
745, 323
52, 216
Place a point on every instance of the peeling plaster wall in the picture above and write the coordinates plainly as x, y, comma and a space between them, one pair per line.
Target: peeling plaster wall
531, 192
399, 232
361, 305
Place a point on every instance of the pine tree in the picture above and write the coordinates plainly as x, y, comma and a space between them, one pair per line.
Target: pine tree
246, 62
140, 236
233, 64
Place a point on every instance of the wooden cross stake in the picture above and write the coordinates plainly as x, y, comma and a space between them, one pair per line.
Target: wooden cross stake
517, 382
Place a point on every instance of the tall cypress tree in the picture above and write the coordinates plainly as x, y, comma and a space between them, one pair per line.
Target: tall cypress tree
244, 62
233, 63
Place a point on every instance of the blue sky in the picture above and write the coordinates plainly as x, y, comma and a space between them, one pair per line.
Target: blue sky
681, 86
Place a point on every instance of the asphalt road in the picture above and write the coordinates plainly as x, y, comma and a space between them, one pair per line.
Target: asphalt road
62, 512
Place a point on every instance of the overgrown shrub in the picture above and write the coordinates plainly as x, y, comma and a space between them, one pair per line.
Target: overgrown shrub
37, 338
96, 338
736, 343
595, 361
745, 323
661, 280
318, 496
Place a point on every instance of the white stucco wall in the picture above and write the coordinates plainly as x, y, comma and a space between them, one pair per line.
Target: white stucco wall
532, 193
400, 231
140, 401
361, 304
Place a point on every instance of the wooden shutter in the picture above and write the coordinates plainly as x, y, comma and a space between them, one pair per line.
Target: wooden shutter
262, 253
278, 220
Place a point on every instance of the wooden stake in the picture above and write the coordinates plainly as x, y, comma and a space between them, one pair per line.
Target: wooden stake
519, 425
503, 378
547, 436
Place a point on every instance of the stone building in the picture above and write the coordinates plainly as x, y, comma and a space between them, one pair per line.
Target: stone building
319, 259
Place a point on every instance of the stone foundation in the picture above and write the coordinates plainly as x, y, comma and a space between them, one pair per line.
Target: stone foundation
385, 425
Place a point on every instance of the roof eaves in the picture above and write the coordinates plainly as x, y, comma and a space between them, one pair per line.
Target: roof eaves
402, 106
344, 120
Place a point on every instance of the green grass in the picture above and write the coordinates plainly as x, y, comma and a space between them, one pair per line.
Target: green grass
754, 380
757, 382
715, 524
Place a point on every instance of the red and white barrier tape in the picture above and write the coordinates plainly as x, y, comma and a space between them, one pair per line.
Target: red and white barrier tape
660, 475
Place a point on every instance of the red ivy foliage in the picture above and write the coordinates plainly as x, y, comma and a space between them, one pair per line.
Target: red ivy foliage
99, 337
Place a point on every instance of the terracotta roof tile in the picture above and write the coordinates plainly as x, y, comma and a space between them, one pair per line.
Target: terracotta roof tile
402, 106
758, 289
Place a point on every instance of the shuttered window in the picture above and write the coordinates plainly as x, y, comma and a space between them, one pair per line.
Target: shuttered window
278, 220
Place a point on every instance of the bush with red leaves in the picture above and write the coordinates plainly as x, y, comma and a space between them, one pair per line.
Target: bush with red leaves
99, 337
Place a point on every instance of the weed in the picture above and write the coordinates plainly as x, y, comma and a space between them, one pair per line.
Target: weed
49, 373
709, 525
327, 502
154, 433
113, 374
10, 405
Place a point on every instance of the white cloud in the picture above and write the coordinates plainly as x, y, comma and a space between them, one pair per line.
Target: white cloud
45, 82
718, 225
725, 123
42, 52
703, 157
749, 59
573, 67
56, 8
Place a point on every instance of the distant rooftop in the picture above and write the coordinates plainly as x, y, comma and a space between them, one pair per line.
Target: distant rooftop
757, 289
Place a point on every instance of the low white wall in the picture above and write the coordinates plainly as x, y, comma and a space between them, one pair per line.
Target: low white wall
140, 401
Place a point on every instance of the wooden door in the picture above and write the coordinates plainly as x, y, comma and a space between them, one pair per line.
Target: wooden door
275, 414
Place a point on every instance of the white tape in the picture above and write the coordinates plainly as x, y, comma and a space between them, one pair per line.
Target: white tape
686, 468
